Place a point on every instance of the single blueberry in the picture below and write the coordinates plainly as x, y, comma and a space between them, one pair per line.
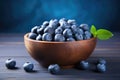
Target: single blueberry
74, 29
86, 37
80, 31
59, 38
101, 68
34, 29
28, 67
84, 65
79, 37
63, 19
84, 27
49, 30
70, 39
101, 61
59, 30
54, 23
88, 33
39, 37
71, 22
32, 36
64, 25
10, 63
67, 33
45, 23
54, 68
47, 37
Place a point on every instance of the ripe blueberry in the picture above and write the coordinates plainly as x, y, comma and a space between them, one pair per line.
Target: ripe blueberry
32, 36
10, 63
47, 37
28, 67
54, 69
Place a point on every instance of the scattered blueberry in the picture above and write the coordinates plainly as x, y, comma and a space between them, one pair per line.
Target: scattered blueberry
10, 63
28, 67
84, 27
101, 68
101, 61
84, 65
47, 37
32, 36
39, 37
59, 38
54, 69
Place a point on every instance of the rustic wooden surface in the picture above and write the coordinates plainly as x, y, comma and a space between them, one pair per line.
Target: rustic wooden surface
12, 46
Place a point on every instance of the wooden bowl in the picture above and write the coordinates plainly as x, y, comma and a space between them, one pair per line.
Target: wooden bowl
66, 54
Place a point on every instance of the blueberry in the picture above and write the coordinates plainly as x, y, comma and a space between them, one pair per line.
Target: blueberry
101, 68
64, 25
67, 33
28, 67
101, 61
40, 30
84, 27
47, 37
59, 30
86, 37
80, 31
54, 23
10, 63
43, 26
79, 37
32, 36
34, 29
45, 23
59, 37
54, 69
71, 22
39, 37
84, 65
74, 29
88, 33
63, 19
70, 39
49, 30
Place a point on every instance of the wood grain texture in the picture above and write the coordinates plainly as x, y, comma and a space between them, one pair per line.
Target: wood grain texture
12, 46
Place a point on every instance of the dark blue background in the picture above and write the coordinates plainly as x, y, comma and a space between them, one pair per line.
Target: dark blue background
21, 15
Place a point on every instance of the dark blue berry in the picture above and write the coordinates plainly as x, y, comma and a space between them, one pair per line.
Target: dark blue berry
79, 36
28, 67
101, 68
40, 30
10, 63
47, 37
84, 27
101, 61
54, 69
83, 65
34, 29
39, 37
59, 38
67, 33
49, 30
71, 22
45, 23
54, 23
59, 30
32, 36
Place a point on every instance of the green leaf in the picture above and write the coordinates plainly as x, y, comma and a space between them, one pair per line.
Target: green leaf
93, 30
104, 34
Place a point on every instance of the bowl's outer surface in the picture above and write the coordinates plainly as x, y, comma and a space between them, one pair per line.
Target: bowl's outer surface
62, 53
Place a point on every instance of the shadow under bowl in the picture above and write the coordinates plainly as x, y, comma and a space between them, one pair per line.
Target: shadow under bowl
66, 54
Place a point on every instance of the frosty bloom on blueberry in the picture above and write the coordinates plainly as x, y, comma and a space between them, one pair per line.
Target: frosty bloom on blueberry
62, 30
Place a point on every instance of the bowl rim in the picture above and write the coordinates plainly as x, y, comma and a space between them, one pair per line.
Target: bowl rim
25, 37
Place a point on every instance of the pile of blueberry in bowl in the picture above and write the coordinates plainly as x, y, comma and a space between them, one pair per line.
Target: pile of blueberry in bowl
62, 30
61, 42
